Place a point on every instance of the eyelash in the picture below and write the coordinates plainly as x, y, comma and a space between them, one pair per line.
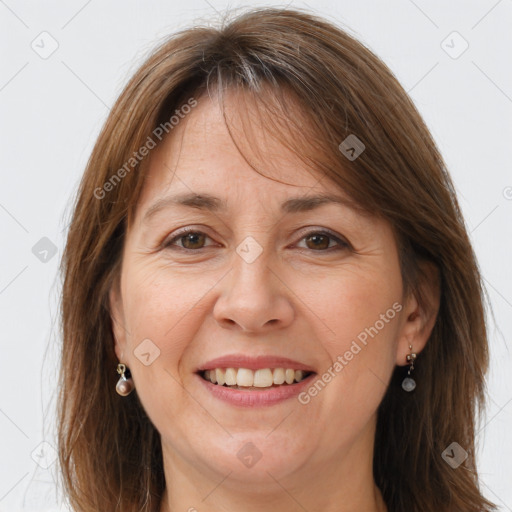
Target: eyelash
342, 245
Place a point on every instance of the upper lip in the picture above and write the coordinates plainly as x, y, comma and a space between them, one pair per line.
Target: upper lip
253, 363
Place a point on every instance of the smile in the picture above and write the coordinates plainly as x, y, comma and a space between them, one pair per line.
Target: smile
247, 379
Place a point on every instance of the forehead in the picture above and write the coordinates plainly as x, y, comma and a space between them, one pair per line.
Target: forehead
217, 149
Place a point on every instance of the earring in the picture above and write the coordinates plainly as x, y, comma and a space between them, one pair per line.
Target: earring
408, 384
125, 384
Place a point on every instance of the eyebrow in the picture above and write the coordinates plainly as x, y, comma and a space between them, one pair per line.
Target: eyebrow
211, 203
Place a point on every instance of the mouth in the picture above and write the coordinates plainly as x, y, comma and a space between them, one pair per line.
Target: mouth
261, 379
243, 380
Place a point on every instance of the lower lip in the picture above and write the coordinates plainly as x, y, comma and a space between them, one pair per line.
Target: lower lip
257, 398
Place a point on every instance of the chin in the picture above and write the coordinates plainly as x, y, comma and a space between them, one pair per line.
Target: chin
255, 458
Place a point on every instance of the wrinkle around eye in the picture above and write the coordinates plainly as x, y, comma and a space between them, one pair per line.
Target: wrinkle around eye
344, 236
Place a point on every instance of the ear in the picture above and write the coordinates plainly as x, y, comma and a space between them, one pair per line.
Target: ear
419, 316
117, 319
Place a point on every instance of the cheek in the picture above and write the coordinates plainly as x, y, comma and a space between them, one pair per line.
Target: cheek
155, 313
164, 310
362, 310
160, 303
357, 304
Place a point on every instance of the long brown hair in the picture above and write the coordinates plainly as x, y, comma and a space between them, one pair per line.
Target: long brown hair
109, 451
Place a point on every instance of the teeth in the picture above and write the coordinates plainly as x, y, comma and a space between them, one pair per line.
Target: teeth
245, 377
219, 376
230, 377
262, 378
279, 377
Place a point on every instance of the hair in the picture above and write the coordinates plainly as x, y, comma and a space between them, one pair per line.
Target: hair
109, 452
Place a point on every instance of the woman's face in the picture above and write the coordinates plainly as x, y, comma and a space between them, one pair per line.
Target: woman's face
267, 281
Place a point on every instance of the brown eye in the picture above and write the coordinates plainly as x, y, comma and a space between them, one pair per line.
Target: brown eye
317, 241
191, 240
320, 241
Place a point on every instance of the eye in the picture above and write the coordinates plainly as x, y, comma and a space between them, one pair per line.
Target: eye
191, 239
321, 240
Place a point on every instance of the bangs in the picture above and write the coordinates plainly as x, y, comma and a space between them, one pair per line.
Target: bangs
261, 113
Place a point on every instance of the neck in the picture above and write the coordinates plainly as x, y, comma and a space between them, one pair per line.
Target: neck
251, 502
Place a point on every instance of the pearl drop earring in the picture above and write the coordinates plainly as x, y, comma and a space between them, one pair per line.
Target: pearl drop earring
408, 384
125, 384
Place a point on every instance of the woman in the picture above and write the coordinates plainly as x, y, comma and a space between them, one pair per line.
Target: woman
270, 300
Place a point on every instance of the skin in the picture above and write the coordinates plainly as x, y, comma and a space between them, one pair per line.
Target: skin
295, 300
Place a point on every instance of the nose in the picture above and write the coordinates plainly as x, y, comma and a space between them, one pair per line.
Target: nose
253, 298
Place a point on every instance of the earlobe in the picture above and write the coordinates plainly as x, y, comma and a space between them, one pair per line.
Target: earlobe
419, 315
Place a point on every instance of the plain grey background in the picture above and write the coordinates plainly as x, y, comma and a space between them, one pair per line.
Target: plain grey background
64, 64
